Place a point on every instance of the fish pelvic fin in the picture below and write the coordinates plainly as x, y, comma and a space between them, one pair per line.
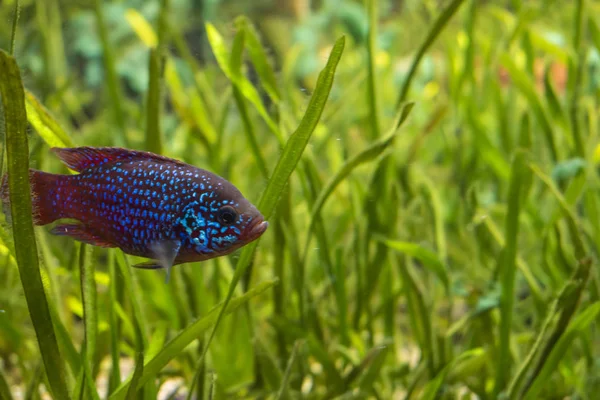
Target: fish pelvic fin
165, 252
82, 158
46, 204
81, 233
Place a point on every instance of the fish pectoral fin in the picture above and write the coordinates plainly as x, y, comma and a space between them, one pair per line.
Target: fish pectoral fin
148, 265
165, 252
81, 233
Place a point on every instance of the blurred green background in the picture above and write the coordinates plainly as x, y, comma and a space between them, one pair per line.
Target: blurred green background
438, 238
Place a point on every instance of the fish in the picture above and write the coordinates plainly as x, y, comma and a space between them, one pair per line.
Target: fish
145, 204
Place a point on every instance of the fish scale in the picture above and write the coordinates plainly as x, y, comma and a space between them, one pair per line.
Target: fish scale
145, 204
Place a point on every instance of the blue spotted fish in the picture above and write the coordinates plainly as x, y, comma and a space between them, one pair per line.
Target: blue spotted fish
145, 204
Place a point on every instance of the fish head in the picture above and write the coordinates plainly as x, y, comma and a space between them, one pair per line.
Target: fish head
220, 220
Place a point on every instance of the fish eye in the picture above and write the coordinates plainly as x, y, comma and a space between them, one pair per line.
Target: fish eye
227, 215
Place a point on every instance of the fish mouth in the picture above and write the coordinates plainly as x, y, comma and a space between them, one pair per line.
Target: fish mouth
255, 229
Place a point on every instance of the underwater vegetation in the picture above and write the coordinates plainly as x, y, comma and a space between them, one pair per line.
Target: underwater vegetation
428, 170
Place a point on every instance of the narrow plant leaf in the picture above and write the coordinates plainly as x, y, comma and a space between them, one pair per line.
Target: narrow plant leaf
563, 308
430, 392
372, 367
527, 88
112, 79
114, 326
4, 389
90, 317
174, 347
371, 42
45, 125
564, 208
13, 32
429, 259
138, 328
368, 154
282, 393
221, 54
259, 58
288, 160
153, 103
154, 100
507, 268
438, 27
579, 325
17, 152
141, 27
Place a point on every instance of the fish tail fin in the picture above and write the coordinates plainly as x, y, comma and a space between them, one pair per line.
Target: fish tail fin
43, 196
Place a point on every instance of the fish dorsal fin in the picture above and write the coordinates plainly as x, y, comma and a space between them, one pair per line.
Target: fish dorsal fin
81, 158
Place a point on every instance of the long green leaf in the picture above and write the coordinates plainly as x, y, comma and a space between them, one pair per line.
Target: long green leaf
221, 54
507, 268
15, 117
153, 103
579, 325
90, 317
259, 58
556, 323
187, 336
285, 166
112, 78
431, 389
527, 88
427, 257
433, 33
368, 154
371, 6
47, 127
4, 389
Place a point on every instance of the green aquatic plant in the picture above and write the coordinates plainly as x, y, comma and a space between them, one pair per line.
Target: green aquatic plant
432, 196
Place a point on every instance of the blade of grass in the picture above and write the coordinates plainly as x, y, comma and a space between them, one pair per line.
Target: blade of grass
47, 127
580, 252
15, 119
259, 58
114, 326
575, 76
90, 317
427, 257
283, 390
556, 323
430, 392
112, 79
368, 154
196, 330
372, 365
155, 75
235, 64
288, 160
507, 269
4, 389
527, 88
375, 355
420, 313
580, 324
153, 103
13, 32
371, 42
138, 328
433, 33
221, 54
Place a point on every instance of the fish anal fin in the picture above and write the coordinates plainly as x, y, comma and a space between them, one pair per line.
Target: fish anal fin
81, 233
81, 158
